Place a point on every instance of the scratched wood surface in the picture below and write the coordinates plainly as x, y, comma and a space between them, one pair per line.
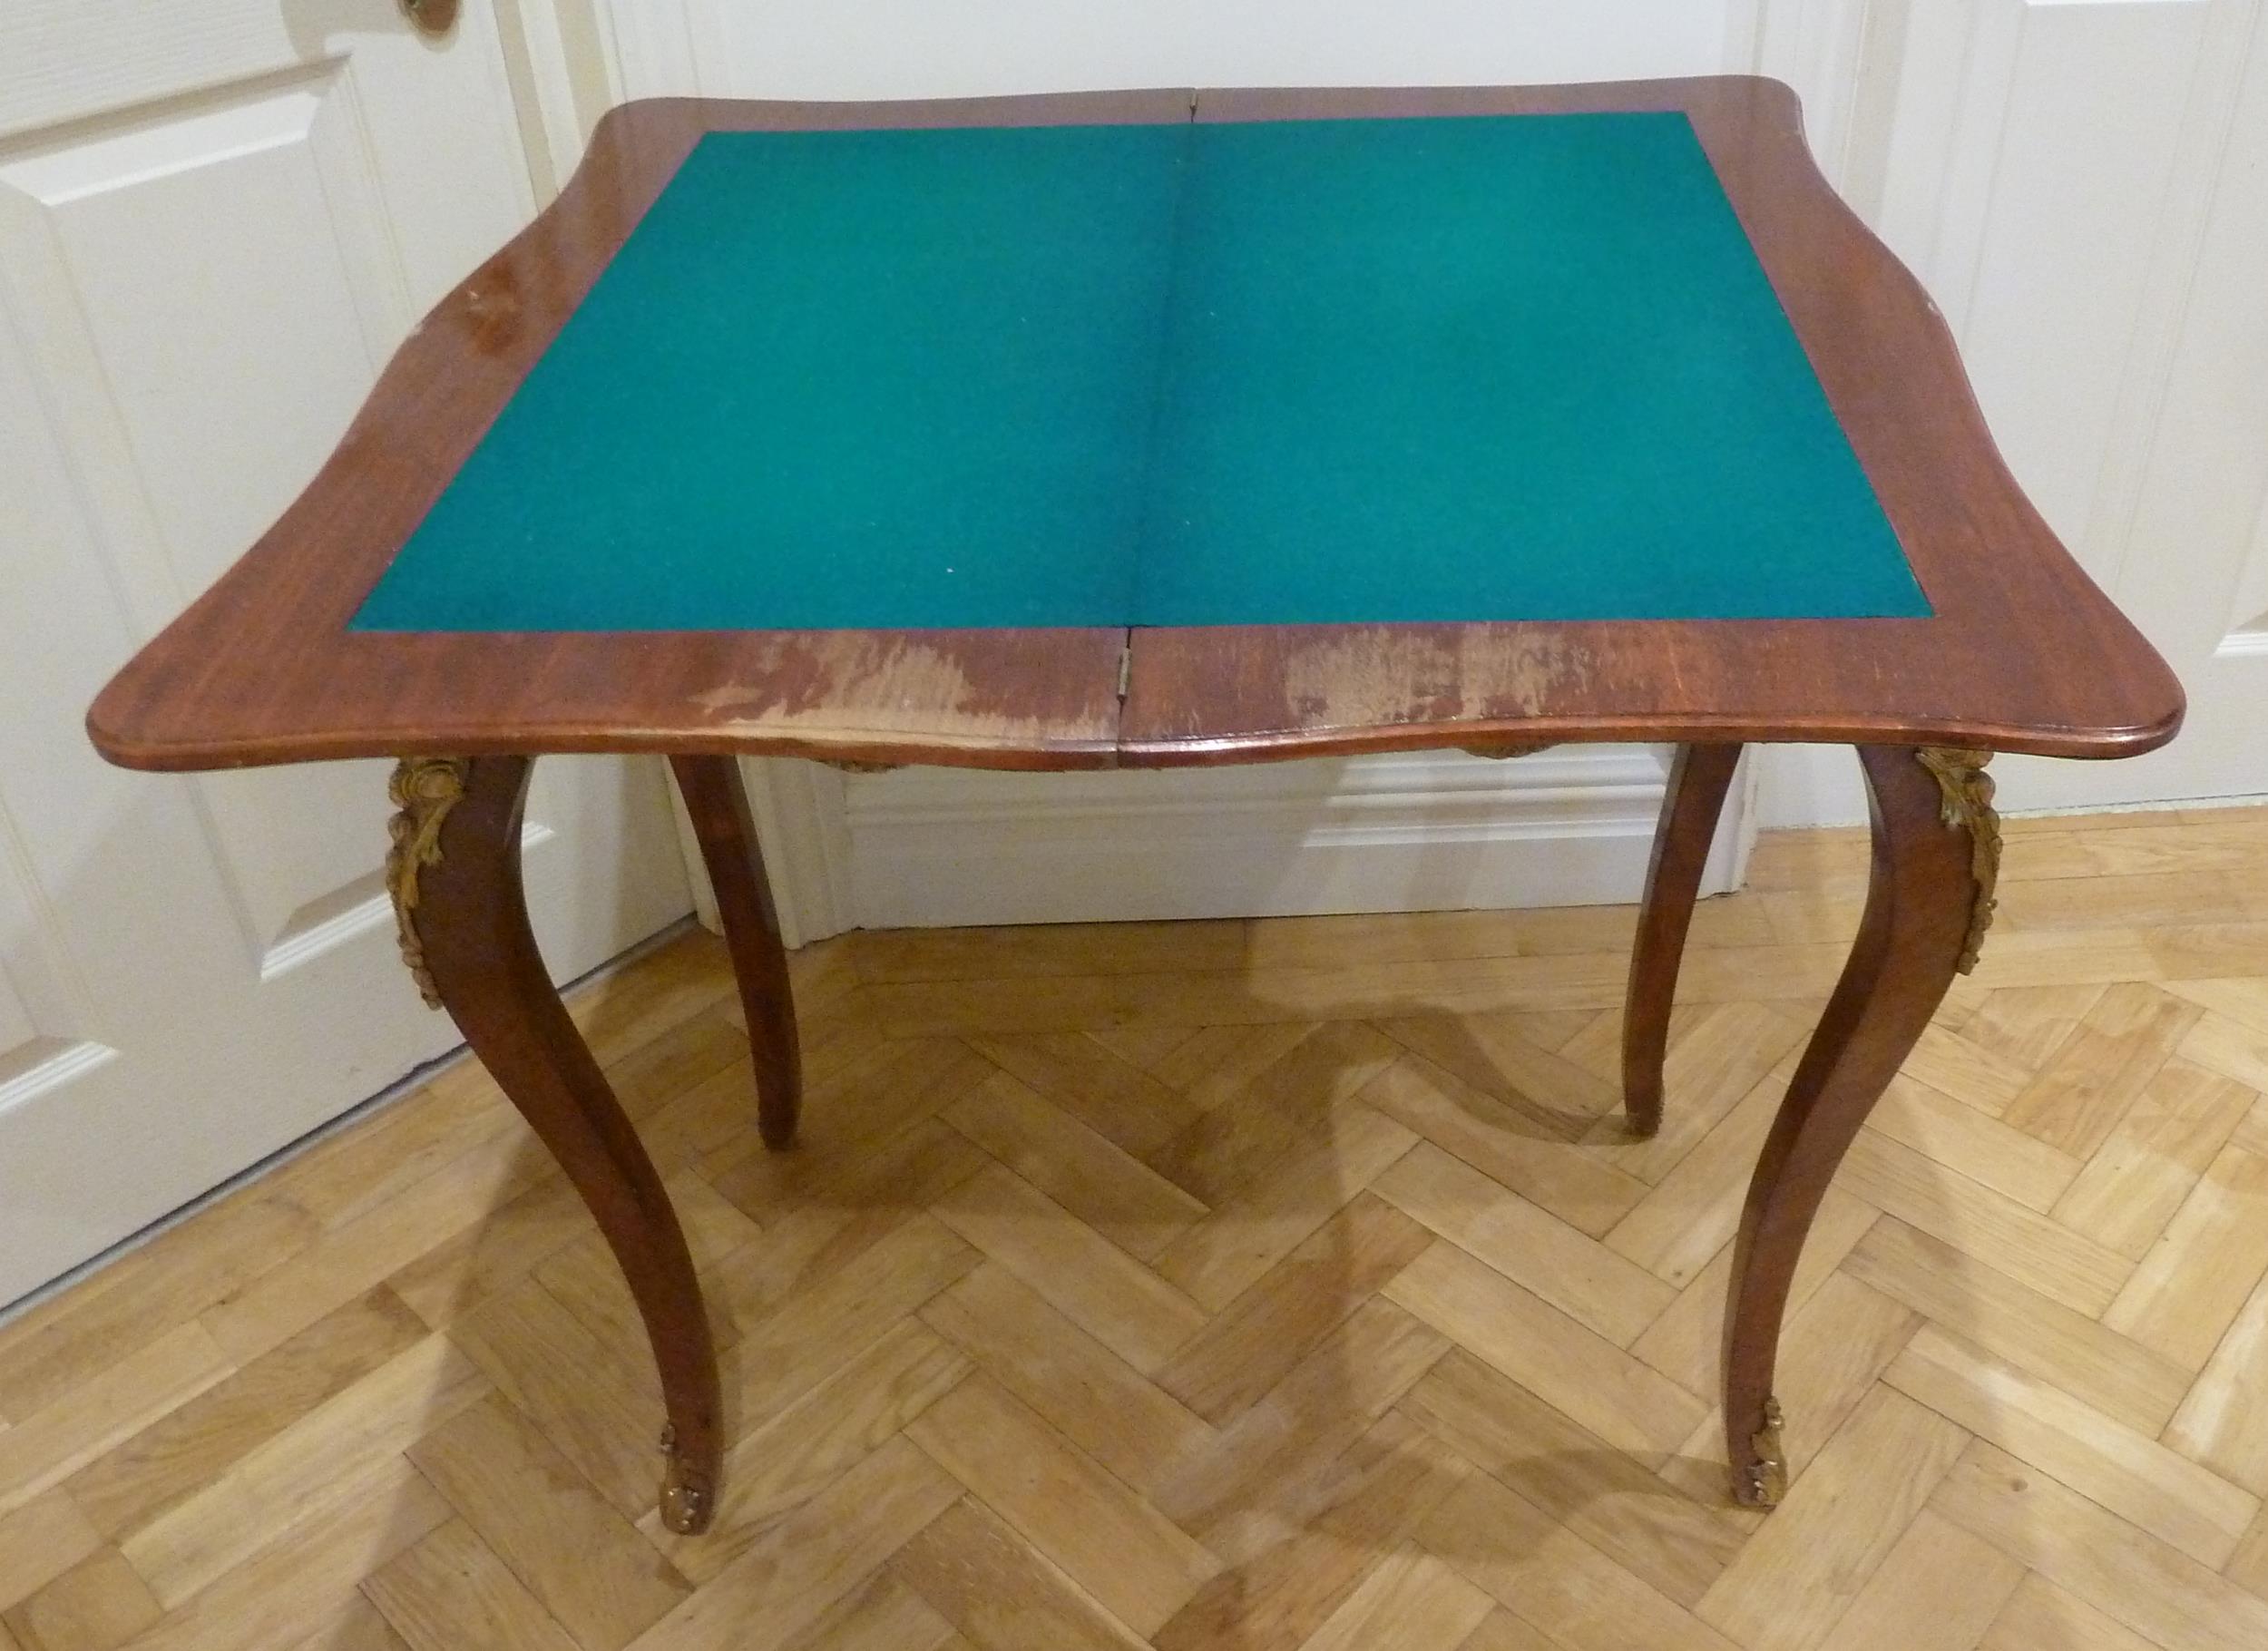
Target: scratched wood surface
1240, 1287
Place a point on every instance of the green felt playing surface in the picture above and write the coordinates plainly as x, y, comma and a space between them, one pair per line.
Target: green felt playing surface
1283, 372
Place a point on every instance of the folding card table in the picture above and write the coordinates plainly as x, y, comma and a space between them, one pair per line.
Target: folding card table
1153, 429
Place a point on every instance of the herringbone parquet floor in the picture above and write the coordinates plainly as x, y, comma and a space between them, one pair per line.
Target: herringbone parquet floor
1241, 1287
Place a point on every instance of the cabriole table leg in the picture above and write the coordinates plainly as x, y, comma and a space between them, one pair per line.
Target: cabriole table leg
454, 874
1936, 855
718, 807
1699, 779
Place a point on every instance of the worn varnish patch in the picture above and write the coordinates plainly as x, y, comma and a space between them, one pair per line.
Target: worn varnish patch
1386, 674
1030, 689
1235, 684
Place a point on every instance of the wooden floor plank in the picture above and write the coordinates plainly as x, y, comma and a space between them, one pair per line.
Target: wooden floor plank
819, 1331
2120, 1377
1505, 1145
88, 1420
1094, 1180
1691, 1213
1840, 1342
1489, 1052
2125, 1195
62, 1345
291, 1477
1640, 1520
1323, 1406
1545, 1574
2041, 1616
2222, 1421
804, 1563
2089, 1552
882, 1615
1001, 1592
1274, 1286
1582, 1374
1990, 1225
1949, 1131
1939, 1589
292, 1589
1583, 1278
1133, 1426
1412, 1600
572, 1388
198, 1440
1255, 1338
1685, 1343
2136, 1478
1804, 1566
799, 1452
582, 1560
1331, 1528
96, 1606
346, 1260
1725, 1055
1246, 1233
1095, 1528
39, 1542
449, 1590
2179, 1308
2077, 1098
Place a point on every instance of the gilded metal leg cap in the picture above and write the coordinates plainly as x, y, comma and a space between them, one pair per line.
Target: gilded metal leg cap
688, 1500
1762, 1481
424, 790
1966, 792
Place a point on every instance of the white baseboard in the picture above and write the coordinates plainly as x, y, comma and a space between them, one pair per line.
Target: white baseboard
1420, 832
1804, 786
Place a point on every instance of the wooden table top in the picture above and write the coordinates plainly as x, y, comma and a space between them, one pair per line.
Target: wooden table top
2019, 651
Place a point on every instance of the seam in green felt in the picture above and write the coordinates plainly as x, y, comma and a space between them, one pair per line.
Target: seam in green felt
1516, 368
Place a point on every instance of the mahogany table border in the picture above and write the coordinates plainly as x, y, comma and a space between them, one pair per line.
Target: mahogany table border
2022, 654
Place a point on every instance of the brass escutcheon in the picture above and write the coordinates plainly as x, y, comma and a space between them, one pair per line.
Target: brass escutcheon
431, 16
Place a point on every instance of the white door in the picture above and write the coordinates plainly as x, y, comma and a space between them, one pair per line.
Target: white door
216, 222
2083, 189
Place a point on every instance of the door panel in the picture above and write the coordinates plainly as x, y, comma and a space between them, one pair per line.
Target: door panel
2059, 305
2080, 187
209, 244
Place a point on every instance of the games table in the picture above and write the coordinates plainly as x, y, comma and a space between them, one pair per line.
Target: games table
1164, 428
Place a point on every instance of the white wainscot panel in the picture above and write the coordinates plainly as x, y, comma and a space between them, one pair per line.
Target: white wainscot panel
228, 266
76, 1118
16, 1031
43, 1050
2248, 635
54, 1088
219, 259
300, 850
32, 1062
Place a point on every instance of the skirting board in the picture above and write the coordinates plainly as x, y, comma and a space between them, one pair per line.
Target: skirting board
1428, 831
